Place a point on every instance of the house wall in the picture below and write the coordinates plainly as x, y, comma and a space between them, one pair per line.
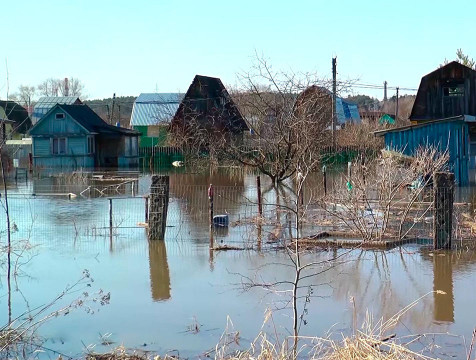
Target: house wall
76, 155
152, 135
451, 135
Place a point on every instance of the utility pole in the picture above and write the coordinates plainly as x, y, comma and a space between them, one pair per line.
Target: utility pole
334, 100
396, 107
385, 91
112, 108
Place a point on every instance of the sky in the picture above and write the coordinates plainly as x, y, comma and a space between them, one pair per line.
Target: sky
130, 47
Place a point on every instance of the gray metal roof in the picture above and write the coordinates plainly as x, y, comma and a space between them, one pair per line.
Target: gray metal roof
45, 103
153, 108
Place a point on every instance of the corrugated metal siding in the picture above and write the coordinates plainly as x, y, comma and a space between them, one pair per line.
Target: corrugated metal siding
44, 104
347, 112
451, 135
152, 109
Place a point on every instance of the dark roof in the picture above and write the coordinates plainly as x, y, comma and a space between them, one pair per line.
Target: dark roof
206, 90
18, 114
91, 121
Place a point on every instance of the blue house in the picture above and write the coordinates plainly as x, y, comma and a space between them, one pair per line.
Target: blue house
74, 136
443, 116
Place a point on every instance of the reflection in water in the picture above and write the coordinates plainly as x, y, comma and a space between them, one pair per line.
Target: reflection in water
443, 280
159, 271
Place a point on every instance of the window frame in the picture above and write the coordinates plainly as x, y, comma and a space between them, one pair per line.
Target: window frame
90, 145
56, 149
60, 116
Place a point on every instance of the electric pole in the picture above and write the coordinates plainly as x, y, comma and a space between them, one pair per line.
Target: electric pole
396, 107
385, 91
112, 108
334, 100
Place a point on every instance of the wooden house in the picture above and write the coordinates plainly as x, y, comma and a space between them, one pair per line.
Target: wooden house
15, 121
446, 92
74, 136
317, 101
208, 104
444, 117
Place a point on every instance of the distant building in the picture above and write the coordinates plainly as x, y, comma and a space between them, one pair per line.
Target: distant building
15, 120
152, 114
74, 136
44, 104
346, 111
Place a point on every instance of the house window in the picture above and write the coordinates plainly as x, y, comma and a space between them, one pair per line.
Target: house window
90, 144
454, 91
59, 116
58, 146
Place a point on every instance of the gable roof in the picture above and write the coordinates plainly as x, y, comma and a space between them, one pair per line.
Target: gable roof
428, 101
18, 114
346, 110
155, 108
91, 121
45, 103
206, 90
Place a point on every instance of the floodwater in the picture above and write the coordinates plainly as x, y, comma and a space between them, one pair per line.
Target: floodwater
177, 297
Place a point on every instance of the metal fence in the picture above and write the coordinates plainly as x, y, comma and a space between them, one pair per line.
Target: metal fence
57, 218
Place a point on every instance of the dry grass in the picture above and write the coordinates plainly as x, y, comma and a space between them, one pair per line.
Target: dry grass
121, 353
374, 341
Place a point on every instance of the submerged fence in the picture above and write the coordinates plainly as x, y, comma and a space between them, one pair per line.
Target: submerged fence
255, 213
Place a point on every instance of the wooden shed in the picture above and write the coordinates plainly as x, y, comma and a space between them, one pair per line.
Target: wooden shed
208, 103
446, 92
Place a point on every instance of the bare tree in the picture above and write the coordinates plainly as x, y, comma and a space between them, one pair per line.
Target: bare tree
61, 87
394, 205
288, 115
25, 94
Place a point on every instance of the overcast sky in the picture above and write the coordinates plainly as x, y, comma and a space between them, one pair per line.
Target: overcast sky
129, 47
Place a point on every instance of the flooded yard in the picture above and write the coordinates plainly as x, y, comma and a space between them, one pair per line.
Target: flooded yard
177, 296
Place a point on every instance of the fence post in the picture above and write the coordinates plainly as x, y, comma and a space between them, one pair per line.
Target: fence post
110, 217
260, 209
146, 217
210, 198
258, 189
158, 205
324, 179
443, 187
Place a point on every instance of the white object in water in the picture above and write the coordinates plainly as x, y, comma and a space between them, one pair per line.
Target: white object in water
177, 163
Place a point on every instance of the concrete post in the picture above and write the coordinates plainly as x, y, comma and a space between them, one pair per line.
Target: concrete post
443, 187
158, 205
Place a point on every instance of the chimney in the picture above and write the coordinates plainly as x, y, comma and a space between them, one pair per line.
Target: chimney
66, 87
